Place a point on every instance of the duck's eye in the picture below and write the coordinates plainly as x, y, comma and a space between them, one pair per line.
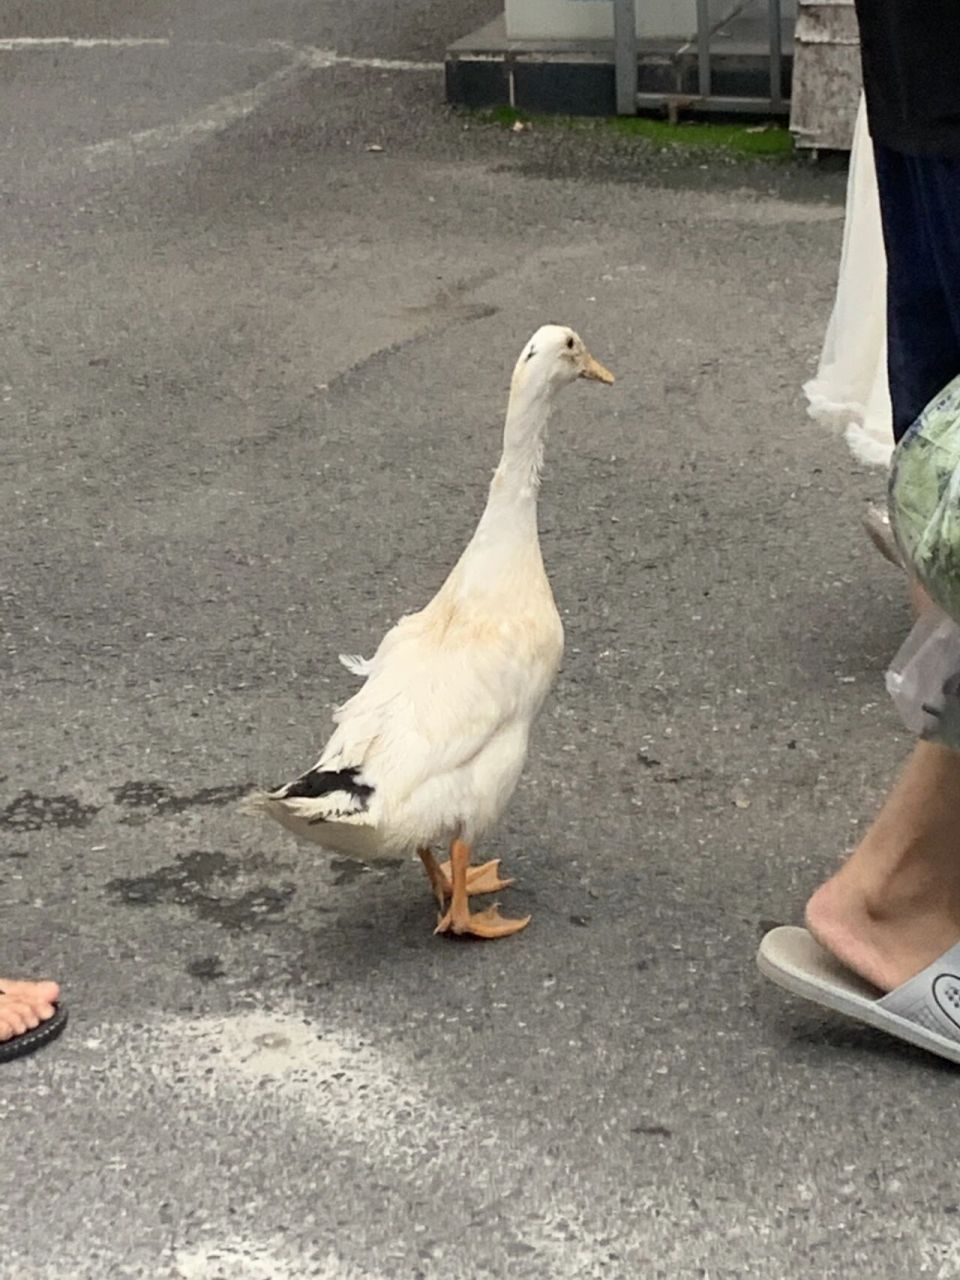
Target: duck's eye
569, 344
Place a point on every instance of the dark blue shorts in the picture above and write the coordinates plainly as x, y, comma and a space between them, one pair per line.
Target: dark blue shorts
920, 208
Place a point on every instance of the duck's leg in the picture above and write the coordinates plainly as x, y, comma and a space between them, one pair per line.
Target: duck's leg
482, 879
460, 919
438, 883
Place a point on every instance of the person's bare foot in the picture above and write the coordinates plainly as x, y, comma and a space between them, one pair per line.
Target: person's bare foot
886, 945
894, 907
25, 1005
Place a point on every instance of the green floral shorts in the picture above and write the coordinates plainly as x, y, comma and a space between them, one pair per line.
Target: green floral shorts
924, 499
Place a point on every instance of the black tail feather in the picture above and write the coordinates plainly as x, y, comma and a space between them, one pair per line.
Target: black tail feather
315, 783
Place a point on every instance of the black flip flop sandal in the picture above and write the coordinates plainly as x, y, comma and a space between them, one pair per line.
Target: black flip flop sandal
30, 1041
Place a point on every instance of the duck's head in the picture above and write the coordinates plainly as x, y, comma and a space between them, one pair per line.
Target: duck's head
554, 356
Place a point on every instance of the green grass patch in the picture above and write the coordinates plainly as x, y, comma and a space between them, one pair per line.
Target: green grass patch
772, 141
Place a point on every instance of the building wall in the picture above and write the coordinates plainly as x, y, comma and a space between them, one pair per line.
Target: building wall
593, 19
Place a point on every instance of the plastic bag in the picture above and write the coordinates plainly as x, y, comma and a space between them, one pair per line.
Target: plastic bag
924, 679
925, 498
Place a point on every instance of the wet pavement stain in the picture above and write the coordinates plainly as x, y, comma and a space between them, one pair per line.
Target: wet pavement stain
160, 798
195, 881
346, 870
189, 872
31, 812
141, 794
206, 968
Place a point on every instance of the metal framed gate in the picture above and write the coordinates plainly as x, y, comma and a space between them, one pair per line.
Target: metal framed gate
704, 98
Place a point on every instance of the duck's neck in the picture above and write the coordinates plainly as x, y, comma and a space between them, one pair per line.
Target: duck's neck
505, 547
512, 504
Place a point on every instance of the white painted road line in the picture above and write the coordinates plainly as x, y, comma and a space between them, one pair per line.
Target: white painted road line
371, 64
16, 43
209, 119
306, 54
225, 111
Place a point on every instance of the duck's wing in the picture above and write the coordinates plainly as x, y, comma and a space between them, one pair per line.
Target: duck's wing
438, 691
403, 728
429, 705
336, 788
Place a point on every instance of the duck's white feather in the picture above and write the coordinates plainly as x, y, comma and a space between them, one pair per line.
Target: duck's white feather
356, 665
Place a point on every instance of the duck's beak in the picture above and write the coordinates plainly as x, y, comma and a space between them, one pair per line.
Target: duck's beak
594, 370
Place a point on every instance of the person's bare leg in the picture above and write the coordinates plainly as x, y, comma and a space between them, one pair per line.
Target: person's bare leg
919, 600
876, 522
894, 906
24, 1005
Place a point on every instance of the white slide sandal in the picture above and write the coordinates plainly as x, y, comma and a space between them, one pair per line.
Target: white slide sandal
925, 1011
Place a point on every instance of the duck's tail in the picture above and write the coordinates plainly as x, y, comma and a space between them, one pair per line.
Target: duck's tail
256, 803
327, 809
317, 796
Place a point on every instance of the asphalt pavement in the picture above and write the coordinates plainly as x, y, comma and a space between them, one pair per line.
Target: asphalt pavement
253, 375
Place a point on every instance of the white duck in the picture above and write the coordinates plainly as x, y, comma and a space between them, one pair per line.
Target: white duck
432, 746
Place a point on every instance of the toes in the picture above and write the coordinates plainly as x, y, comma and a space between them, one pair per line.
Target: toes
33, 993
13, 1023
18, 1015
